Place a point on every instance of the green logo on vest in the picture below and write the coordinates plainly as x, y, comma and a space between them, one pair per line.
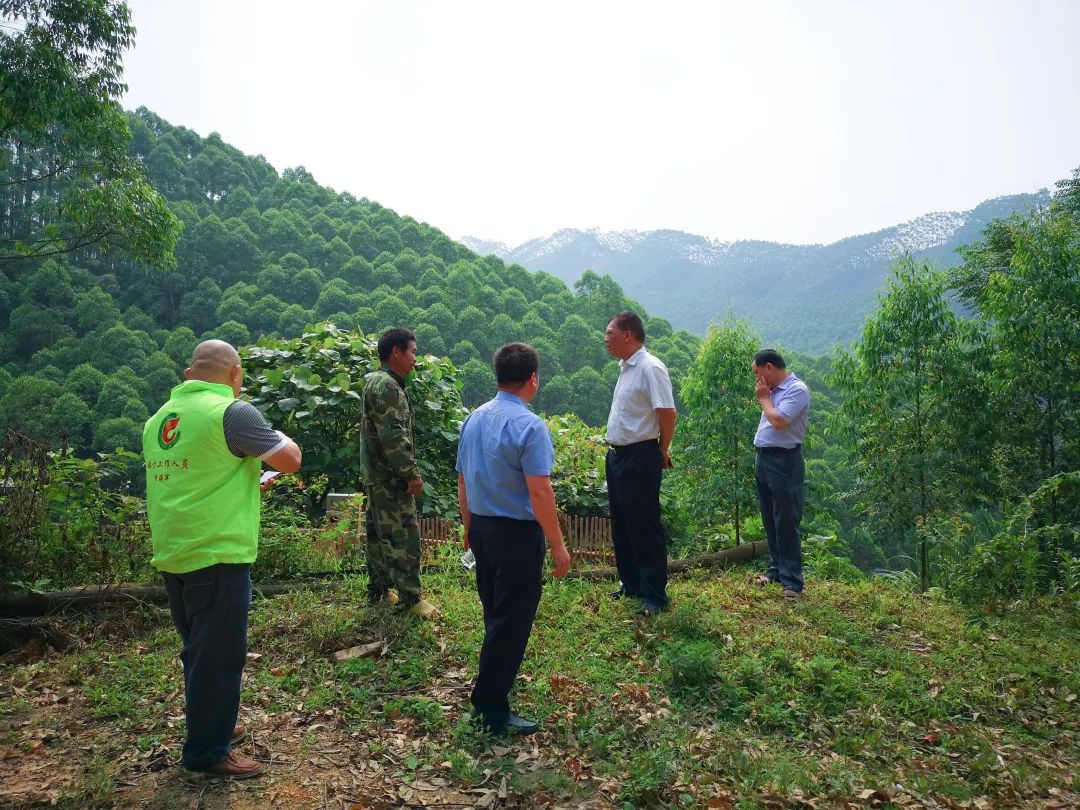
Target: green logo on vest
169, 431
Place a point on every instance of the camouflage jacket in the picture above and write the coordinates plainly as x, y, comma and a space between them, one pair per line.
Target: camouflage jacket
386, 429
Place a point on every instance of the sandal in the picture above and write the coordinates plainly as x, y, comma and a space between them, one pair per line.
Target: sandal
763, 579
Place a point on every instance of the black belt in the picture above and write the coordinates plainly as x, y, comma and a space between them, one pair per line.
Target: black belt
504, 519
629, 448
794, 449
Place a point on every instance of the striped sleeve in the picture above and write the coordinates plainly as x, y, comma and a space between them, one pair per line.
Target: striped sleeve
248, 434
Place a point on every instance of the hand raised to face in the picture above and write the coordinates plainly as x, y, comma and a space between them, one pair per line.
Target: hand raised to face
761, 388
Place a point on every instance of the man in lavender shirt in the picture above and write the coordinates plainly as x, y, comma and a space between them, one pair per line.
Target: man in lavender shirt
780, 470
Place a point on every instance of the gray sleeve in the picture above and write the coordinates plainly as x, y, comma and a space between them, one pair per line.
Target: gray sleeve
248, 434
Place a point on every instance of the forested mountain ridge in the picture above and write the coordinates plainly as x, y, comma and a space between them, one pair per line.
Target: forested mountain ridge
91, 342
806, 297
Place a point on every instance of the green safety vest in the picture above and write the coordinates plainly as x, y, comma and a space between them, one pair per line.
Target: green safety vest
202, 501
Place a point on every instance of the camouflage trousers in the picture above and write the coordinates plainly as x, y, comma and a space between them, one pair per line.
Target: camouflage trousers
393, 542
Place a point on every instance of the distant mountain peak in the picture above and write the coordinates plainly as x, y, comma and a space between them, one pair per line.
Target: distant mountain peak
922, 233
485, 247
802, 296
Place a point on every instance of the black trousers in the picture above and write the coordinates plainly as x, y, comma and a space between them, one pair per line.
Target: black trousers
209, 609
640, 539
509, 570
781, 493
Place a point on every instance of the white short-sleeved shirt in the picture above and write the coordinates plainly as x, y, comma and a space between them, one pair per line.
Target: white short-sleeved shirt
642, 387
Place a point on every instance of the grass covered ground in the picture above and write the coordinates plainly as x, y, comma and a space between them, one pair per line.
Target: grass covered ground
856, 696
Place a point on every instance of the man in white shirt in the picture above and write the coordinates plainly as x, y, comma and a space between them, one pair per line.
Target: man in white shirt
640, 426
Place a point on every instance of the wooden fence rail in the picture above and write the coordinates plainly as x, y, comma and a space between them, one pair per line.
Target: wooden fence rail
587, 538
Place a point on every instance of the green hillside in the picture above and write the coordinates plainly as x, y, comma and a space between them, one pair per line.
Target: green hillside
91, 341
862, 695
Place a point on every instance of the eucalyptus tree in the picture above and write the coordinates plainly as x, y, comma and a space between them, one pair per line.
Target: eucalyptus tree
1024, 280
714, 443
67, 179
915, 408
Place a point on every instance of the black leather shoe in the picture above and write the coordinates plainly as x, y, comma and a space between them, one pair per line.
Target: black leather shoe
649, 609
619, 594
521, 726
513, 725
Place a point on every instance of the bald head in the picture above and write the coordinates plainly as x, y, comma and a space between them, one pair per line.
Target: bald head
215, 361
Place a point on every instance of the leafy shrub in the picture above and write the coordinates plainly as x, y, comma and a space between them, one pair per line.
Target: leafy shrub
1004, 568
311, 386
289, 551
63, 522
821, 556
579, 478
294, 500
1035, 554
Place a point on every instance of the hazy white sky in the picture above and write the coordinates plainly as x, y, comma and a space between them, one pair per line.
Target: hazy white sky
789, 121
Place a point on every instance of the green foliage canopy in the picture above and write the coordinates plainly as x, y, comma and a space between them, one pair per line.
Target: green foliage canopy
310, 386
72, 183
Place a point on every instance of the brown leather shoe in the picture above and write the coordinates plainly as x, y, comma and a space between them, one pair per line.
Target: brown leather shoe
238, 733
235, 766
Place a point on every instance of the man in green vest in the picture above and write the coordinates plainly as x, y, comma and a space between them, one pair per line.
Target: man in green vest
391, 476
202, 452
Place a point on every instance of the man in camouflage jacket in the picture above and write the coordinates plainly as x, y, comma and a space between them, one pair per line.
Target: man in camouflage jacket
391, 476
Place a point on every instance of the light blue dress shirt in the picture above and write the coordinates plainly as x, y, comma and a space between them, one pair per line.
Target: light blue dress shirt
502, 441
791, 398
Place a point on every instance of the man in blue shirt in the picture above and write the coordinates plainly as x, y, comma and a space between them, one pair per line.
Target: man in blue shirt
507, 506
780, 470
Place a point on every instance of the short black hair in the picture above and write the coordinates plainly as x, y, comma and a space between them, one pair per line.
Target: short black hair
515, 363
631, 322
397, 337
769, 356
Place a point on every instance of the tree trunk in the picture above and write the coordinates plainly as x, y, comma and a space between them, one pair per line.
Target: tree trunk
717, 559
735, 469
39, 604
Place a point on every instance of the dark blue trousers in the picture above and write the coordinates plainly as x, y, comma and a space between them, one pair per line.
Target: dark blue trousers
509, 579
781, 492
210, 611
640, 539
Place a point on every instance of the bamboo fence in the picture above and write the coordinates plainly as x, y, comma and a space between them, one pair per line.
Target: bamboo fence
587, 538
